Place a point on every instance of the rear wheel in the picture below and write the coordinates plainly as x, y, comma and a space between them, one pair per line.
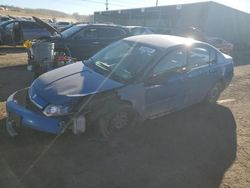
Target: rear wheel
214, 94
118, 121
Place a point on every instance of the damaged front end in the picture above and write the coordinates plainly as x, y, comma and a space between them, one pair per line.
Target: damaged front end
25, 110
43, 57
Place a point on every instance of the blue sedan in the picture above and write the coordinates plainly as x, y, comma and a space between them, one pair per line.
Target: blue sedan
134, 79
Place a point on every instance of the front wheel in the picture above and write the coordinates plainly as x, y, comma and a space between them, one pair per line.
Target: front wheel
119, 120
214, 94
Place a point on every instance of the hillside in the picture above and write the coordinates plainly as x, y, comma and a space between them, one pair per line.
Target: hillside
41, 13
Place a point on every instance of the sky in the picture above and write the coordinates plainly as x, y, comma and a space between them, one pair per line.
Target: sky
87, 7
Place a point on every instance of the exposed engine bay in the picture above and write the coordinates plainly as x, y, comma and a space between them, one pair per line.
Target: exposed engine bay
43, 57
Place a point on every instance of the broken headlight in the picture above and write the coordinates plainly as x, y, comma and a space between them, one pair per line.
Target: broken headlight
56, 110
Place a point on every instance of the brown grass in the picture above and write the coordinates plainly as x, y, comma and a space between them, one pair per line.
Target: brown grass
2, 110
8, 60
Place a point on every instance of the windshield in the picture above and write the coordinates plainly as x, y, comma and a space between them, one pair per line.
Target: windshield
68, 32
123, 60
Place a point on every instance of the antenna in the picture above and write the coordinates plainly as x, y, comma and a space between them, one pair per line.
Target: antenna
107, 5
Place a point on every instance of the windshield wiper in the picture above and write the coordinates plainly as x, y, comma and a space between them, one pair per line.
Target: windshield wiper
103, 66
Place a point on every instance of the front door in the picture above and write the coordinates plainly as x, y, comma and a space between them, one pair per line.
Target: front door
84, 43
165, 90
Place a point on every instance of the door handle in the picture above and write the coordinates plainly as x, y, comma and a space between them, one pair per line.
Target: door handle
96, 42
212, 71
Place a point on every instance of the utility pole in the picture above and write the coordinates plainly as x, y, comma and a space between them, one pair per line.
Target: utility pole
156, 4
107, 5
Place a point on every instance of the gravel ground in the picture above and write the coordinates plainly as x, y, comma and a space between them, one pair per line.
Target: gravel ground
200, 146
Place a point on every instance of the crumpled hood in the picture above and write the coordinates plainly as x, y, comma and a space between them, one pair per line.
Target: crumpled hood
70, 82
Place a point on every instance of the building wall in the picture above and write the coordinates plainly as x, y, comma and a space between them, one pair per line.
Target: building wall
228, 23
212, 18
163, 16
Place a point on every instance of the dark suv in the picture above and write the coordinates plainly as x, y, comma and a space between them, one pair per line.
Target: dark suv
14, 32
79, 42
83, 40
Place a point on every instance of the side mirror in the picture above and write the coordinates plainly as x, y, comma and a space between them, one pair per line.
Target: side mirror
153, 79
182, 69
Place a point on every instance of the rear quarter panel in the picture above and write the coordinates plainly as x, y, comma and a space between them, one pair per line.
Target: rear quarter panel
227, 68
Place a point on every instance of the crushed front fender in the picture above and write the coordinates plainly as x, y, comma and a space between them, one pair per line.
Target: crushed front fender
29, 118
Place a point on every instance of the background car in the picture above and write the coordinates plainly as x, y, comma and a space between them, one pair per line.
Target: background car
223, 45
14, 32
140, 77
61, 26
190, 32
79, 42
139, 30
4, 18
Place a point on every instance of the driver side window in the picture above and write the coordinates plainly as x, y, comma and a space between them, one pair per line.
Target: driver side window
171, 62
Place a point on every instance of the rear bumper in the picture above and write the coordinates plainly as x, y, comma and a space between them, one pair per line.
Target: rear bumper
20, 115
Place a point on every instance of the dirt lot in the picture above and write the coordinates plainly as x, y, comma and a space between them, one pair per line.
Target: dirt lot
201, 146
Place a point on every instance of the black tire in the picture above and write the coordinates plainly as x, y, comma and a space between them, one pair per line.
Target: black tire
214, 94
120, 120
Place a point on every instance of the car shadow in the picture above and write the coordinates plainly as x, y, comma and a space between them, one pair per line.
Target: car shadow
192, 148
12, 79
241, 56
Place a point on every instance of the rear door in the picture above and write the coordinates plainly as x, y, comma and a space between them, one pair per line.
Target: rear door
199, 73
165, 91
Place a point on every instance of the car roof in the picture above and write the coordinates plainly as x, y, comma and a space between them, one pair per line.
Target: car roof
162, 41
106, 25
136, 26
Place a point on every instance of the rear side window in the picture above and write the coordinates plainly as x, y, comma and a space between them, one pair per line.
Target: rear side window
111, 33
30, 25
136, 31
88, 33
91, 33
198, 56
213, 56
